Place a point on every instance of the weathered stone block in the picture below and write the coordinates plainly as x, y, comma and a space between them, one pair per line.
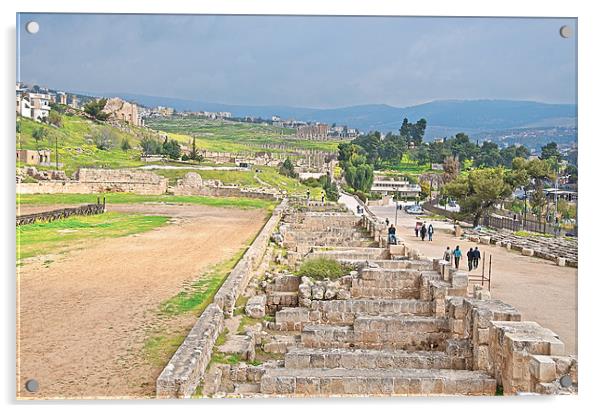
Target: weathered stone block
527, 252
543, 368
255, 307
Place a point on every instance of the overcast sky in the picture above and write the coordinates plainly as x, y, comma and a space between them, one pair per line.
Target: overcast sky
302, 61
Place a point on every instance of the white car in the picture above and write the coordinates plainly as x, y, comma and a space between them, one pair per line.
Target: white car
415, 210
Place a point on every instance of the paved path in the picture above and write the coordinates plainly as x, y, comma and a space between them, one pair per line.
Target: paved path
542, 291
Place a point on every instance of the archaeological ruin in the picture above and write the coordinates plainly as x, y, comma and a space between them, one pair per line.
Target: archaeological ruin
394, 323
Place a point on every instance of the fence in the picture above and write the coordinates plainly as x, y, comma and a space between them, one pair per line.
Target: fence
519, 224
48, 216
483, 278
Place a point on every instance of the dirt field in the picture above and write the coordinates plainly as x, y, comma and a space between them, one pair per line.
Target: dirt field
542, 291
83, 317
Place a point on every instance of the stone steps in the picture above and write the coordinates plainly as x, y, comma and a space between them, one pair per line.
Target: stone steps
376, 382
361, 290
331, 310
412, 333
371, 359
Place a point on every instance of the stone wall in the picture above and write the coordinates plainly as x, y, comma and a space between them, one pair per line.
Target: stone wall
89, 209
192, 184
186, 368
101, 180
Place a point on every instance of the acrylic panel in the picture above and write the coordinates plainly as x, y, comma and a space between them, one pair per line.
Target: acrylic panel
300, 206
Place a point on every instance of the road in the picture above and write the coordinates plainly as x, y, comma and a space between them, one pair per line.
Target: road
542, 291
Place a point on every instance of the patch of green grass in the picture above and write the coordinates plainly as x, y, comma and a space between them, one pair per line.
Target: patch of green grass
222, 358
321, 268
130, 198
532, 234
247, 321
49, 237
159, 348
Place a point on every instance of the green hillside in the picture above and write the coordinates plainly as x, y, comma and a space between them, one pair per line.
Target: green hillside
229, 136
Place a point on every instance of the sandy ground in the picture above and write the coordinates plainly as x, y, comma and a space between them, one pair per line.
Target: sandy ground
83, 317
542, 291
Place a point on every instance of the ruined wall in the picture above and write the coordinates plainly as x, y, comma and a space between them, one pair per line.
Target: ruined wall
101, 180
186, 368
193, 184
89, 209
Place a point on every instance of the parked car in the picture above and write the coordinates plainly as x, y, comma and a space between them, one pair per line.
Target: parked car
415, 210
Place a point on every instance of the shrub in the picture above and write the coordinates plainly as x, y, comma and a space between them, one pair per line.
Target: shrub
125, 144
320, 268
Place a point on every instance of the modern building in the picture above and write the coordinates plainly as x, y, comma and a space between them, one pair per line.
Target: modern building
35, 106
387, 186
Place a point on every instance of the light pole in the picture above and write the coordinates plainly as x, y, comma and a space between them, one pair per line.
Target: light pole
396, 205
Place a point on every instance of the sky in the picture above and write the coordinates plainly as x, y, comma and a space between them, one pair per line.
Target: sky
303, 61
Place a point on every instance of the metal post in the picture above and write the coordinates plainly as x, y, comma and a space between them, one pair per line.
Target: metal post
489, 279
56, 151
483, 269
396, 205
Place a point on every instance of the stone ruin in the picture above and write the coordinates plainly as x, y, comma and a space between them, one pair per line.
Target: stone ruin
396, 324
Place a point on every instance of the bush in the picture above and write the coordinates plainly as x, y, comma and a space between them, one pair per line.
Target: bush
125, 145
320, 268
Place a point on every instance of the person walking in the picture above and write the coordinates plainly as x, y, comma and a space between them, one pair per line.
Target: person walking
417, 229
470, 256
423, 231
323, 197
358, 209
392, 237
476, 256
430, 232
457, 256
447, 255
387, 222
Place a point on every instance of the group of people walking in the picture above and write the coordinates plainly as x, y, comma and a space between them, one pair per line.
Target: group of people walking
473, 256
422, 230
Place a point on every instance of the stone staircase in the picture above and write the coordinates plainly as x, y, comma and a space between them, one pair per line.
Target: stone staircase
385, 340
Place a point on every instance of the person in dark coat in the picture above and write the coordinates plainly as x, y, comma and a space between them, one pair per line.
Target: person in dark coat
392, 237
476, 256
423, 231
431, 231
470, 256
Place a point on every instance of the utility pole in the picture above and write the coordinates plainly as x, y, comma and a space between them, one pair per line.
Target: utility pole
396, 205
56, 151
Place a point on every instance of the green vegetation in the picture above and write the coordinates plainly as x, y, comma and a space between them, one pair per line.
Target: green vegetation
232, 136
197, 296
532, 234
94, 108
159, 348
129, 198
321, 268
56, 236
247, 321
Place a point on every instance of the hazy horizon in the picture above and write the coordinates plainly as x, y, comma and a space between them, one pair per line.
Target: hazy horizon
302, 61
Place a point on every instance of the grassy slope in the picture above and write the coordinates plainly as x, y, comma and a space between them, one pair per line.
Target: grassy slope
228, 136
51, 237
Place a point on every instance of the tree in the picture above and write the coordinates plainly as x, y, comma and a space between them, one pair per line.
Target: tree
451, 168
194, 153
125, 145
54, 118
488, 155
478, 191
288, 169
95, 108
330, 189
39, 134
550, 151
360, 176
150, 146
104, 138
171, 148
413, 132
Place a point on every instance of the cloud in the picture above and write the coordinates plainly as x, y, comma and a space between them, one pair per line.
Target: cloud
302, 61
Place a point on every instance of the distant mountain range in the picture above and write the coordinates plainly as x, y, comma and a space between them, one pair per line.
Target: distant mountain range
444, 117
